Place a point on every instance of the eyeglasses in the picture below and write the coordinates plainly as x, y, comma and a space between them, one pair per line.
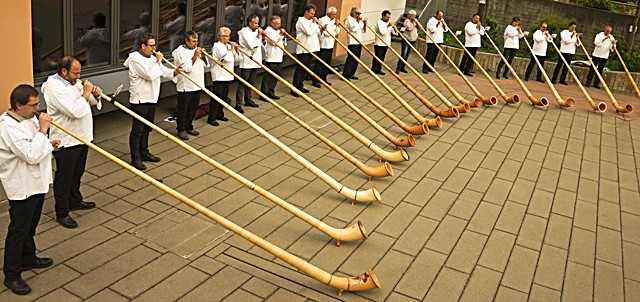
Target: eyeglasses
151, 45
358, 13
34, 105
226, 36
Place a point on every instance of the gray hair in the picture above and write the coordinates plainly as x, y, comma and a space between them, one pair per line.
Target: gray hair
412, 12
332, 9
224, 31
274, 18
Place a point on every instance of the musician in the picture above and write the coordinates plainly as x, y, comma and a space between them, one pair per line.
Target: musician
356, 25
569, 41
193, 62
273, 57
411, 34
25, 153
308, 33
512, 35
436, 30
145, 69
605, 42
177, 27
330, 26
541, 39
250, 41
69, 104
473, 32
384, 28
97, 40
225, 52
135, 35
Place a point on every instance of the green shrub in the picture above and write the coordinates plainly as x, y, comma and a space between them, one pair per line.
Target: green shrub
599, 4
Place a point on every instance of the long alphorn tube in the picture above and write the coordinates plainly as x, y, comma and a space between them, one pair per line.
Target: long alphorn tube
415, 130
402, 142
542, 101
601, 107
480, 99
381, 171
509, 100
461, 108
400, 155
365, 196
626, 70
626, 109
562, 103
362, 282
452, 112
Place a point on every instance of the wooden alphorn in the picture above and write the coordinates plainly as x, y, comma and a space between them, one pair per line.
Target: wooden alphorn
626, 70
509, 100
415, 130
364, 196
362, 282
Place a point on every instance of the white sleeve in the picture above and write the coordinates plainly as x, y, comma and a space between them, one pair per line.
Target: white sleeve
64, 99
30, 149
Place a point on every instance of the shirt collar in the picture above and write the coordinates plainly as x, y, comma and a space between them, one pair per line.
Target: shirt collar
15, 116
58, 77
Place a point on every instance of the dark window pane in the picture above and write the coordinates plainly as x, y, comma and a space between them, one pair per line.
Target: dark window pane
259, 8
281, 9
204, 16
172, 25
92, 31
234, 17
46, 35
135, 20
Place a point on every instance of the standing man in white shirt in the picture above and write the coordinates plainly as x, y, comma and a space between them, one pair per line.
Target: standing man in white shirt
225, 52
384, 29
411, 33
69, 104
145, 69
193, 62
569, 41
541, 39
512, 38
25, 153
473, 32
308, 33
436, 30
604, 46
330, 26
273, 57
250, 41
356, 25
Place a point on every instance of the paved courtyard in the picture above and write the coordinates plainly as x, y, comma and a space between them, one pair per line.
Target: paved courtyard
506, 203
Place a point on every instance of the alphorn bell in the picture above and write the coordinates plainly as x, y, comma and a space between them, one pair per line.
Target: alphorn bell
364, 196
601, 107
542, 101
627, 108
415, 130
562, 103
461, 108
402, 142
452, 112
626, 70
400, 155
381, 171
362, 282
480, 99
509, 100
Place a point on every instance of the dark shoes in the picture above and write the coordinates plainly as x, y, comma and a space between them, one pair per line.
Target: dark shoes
151, 158
303, 90
38, 263
193, 132
251, 104
596, 86
564, 83
294, 94
18, 287
273, 96
379, 72
183, 135
587, 85
468, 74
224, 119
328, 83
263, 99
239, 109
316, 85
214, 123
67, 222
425, 71
83, 205
540, 80
351, 77
138, 165
497, 75
504, 75
526, 79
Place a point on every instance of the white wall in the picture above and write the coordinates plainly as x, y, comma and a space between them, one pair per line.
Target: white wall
372, 9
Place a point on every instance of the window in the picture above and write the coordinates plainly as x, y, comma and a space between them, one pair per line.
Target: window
46, 36
204, 20
173, 18
234, 18
135, 21
92, 32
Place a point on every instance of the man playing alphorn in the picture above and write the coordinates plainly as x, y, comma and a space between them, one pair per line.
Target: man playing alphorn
473, 32
604, 46
384, 29
512, 37
273, 57
436, 29
308, 33
356, 25
330, 26
250, 41
541, 39
568, 43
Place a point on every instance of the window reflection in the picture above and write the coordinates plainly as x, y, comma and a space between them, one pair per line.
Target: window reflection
205, 23
46, 35
92, 45
234, 17
259, 8
172, 25
135, 21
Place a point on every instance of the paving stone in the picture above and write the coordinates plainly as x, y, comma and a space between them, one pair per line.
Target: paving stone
446, 235
509, 170
511, 217
497, 250
498, 191
578, 285
421, 274
398, 220
175, 286
225, 281
521, 191
540, 203
107, 295
439, 204
482, 285
530, 170
540, 293
609, 215
558, 231
448, 286
608, 282
564, 203
585, 215
631, 256
422, 192
532, 232
631, 290
458, 180
481, 180
484, 218
507, 294
609, 246
551, 267
568, 180
394, 266
493, 160
582, 248
467, 251
415, 235
520, 269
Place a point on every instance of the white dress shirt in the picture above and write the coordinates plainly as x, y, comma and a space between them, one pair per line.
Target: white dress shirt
356, 28
144, 78
308, 33
603, 46
540, 43
436, 31
182, 56
273, 53
568, 43
473, 35
512, 37
222, 52
327, 41
384, 32
249, 43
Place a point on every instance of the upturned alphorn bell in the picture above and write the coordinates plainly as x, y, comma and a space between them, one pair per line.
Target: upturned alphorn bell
562, 103
626, 70
364, 196
400, 155
362, 282
626, 109
380, 171
409, 141
437, 122
415, 130
542, 101
509, 100
480, 99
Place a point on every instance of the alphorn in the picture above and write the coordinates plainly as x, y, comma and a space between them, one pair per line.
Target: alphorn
381, 171
626, 70
627, 108
562, 103
365, 196
509, 100
415, 130
479, 97
400, 155
452, 112
437, 122
401, 142
542, 101
601, 107
461, 108
362, 282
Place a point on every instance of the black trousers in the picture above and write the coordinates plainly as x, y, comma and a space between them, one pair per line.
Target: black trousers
244, 92
532, 63
466, 65
188, 103
221, 90
380, 52
20, 248
70, 164
300, 74
269, 82
563, 77
431, 55
322, 71
509, 54
600, 63
139, 136
351, 64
